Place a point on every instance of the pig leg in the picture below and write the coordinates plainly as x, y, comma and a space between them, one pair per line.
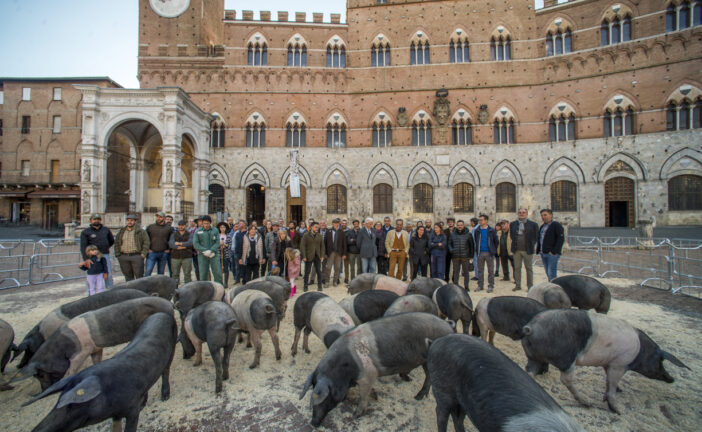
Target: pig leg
491, 336
165, 383
296, 341
306, 340
442, 415
76, 362
198, 353
248, 340
567, 380
614, 374
214, 352
255, 336
425, 388
466, 324
458, 416
276, 343
225, 361
132, 421
365, 386
96, 356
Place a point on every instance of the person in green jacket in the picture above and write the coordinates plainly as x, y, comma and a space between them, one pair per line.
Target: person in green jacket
206, 242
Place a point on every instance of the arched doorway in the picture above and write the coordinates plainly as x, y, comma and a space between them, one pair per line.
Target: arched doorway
118, 181
296, 207
620, 195
255, 203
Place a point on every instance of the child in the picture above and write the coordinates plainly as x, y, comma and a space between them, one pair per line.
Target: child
292, 256
97, 272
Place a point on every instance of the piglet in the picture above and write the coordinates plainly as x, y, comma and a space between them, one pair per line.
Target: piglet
550, 295
213, 322
62, 314
424, 285
255, 313
87, 334
195, 293
368, 305
468, 376
386, 346
412, 303
317, 312
160, 285
585, 292
455, 304
118, 387
505, 315
567, 338
372, 281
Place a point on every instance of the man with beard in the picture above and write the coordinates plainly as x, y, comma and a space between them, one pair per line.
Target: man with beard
131, 247
99, 235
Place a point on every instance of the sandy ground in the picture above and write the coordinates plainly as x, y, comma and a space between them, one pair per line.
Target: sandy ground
266, 399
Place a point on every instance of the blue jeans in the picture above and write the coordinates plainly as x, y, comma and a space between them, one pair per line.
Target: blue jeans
550, 265
239, 274
438, 266
156, 257
368, 265
475, 263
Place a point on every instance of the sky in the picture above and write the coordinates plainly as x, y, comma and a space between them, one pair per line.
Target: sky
65, 38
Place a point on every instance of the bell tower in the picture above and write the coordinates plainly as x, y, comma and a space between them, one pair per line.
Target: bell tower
180, 28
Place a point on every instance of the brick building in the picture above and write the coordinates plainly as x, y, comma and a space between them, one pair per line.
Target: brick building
413, 108
40, 135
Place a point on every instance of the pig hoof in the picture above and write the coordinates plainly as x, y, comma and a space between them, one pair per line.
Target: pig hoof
165, 397
197, 363
278, 357
253, 365
307, 351
405, 377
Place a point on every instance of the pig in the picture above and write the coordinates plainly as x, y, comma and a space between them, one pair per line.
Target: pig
368, 305
64, 352
213, 322
412, 303
570, 337
62, 314
386, 346
585, 292
7, 343
424, 285
277, 292
505, 315
550, 295
317, 312
285, 284
372, 281
255, 313
455, 304
118, 387
160, 285
195, 293
468, 376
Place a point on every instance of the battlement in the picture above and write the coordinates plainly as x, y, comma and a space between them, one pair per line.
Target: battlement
265, 16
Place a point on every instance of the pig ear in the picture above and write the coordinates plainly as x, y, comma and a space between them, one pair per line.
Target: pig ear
671, 358
320, 394
26, 372
84, 391
452, 324
308, 384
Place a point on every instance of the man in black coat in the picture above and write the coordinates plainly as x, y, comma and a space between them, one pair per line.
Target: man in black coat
461, 247
550, 245
335, 247
99, 235
524, 234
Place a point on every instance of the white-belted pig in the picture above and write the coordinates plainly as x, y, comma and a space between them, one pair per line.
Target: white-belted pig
424, 285
317, 312
470, 377
550, 295
372, 281
386, 346
455, 304
118, 387
195, 293
568, 337
160, 285
505, 315
585, 292
368, 305
412, 303
255, 313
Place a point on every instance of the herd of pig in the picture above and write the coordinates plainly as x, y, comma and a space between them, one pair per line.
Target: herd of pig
385, 327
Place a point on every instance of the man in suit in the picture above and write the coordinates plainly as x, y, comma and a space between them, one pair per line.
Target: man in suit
524, 234
335, 247
367, 247
397, 249
312, 251
551, 239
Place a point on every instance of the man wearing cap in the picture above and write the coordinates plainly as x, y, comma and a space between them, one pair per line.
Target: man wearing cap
131, 247
206, 242
99, 235
159, 233
181, 244
335, 248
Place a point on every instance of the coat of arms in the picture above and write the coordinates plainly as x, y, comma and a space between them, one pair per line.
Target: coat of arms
402, 117
483, 116
442, 107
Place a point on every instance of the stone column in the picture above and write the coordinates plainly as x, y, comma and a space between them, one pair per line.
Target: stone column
645, 233
69, 233
92, 168
171, 186
200, 186
566, 224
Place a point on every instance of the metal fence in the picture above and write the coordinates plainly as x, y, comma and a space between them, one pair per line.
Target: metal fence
668, 264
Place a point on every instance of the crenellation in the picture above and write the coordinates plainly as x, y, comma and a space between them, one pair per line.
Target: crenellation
300, 17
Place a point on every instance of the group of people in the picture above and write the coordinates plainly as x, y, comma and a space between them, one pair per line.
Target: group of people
401, 250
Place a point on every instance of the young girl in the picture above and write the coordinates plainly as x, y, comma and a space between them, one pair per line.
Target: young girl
97, 272
292, 256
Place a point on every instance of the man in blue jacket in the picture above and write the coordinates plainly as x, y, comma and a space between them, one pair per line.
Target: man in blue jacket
551, 238
486, 247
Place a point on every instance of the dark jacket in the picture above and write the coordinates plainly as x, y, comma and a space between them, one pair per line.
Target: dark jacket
312, 246
337, 244
141, 239
492, 239
434, 247
380, 242
98, 266
553, 239
238, 243
101, 237
366, 243
419, 250
352, 241
531, 235
187, 241
296, 238
461, 244
279, 247
159, 236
